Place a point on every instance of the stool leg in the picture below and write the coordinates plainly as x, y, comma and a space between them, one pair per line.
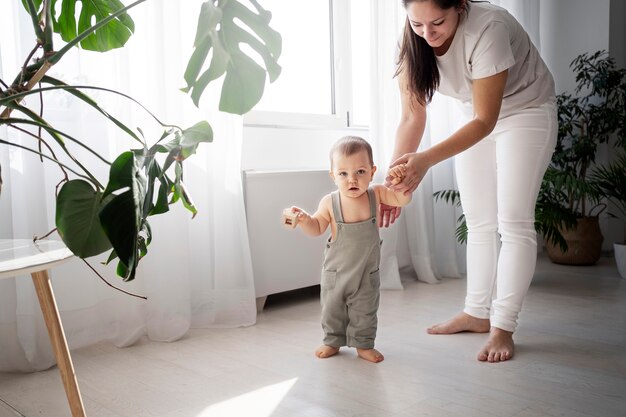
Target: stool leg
43, 286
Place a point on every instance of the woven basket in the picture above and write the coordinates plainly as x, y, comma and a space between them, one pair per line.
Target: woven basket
584, 244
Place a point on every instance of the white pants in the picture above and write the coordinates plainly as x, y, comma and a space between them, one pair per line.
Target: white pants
499, 180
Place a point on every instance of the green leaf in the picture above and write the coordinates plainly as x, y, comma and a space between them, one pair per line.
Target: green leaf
200, 132
121, 212
119, 221
186, 199
193, 136
77, 219
223, 30
267, 42
243, 86
112, 35
155, 173
162, 205
125, 173
111, 257
210, 16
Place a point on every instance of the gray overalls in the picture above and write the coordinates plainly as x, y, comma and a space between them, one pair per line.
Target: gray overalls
351, 281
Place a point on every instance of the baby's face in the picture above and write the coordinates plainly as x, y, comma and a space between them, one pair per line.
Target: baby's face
352, 174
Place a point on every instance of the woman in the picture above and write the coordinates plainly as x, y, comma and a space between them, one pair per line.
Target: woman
479, 54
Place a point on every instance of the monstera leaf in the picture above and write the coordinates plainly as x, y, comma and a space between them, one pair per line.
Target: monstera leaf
113, 34
244, 80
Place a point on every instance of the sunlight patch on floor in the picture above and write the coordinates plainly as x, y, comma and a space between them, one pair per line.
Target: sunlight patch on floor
259, 403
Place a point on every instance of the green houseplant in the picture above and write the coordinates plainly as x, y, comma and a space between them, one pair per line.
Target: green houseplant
94, 216
594, 116
612, 181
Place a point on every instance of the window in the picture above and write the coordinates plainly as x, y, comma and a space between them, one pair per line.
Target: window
325, 65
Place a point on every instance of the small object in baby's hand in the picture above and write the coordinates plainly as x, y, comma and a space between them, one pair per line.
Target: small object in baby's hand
290, 219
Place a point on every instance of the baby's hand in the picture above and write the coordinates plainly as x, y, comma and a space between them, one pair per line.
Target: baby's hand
291, 216
397, 173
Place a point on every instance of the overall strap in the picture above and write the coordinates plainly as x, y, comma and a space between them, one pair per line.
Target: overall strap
372, 197
337, 206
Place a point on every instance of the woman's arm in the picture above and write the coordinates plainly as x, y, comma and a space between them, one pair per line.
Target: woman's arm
487, 99
408, 137
412, 121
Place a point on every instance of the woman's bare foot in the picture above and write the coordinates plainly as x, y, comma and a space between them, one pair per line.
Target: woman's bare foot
462, 322
499, 347
371, 355
326, 351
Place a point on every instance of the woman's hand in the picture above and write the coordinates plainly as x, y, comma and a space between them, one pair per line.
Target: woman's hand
417, 166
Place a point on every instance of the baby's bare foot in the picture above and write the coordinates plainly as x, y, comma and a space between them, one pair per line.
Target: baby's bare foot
462, 322
326, 351
371, 355
499, 347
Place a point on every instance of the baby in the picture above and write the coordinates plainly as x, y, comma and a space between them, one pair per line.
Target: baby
350, 280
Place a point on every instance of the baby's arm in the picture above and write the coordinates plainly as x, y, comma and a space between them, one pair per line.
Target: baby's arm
316, 224
391, 197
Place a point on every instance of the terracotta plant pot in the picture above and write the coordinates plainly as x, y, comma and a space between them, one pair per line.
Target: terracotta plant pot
584, 244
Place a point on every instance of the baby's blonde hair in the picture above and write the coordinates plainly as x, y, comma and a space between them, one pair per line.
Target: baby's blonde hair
349, 145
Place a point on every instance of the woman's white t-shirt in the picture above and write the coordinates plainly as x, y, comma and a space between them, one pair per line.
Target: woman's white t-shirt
488, 41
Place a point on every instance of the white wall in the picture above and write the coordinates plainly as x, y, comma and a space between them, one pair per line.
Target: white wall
569, 28
617, 32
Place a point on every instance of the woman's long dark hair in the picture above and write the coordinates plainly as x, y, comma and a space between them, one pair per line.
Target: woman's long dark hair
417, 59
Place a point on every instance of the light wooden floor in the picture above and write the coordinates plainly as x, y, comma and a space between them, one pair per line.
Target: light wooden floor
570, 362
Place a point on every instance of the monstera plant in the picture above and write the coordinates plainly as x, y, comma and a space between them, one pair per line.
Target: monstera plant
95, 216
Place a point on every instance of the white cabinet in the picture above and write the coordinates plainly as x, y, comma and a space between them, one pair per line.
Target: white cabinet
283, 259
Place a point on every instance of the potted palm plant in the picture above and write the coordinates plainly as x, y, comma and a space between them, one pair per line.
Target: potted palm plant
96, 215
588, 119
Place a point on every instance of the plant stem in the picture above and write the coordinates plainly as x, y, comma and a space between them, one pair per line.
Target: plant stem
48, 35
29, 85
27, 60
111, 285
35, 238
32, 11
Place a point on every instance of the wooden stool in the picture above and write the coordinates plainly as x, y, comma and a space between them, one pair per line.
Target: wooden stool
22, 256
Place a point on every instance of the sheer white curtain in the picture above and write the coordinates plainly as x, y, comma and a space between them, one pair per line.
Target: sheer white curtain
432, 246
198, 271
